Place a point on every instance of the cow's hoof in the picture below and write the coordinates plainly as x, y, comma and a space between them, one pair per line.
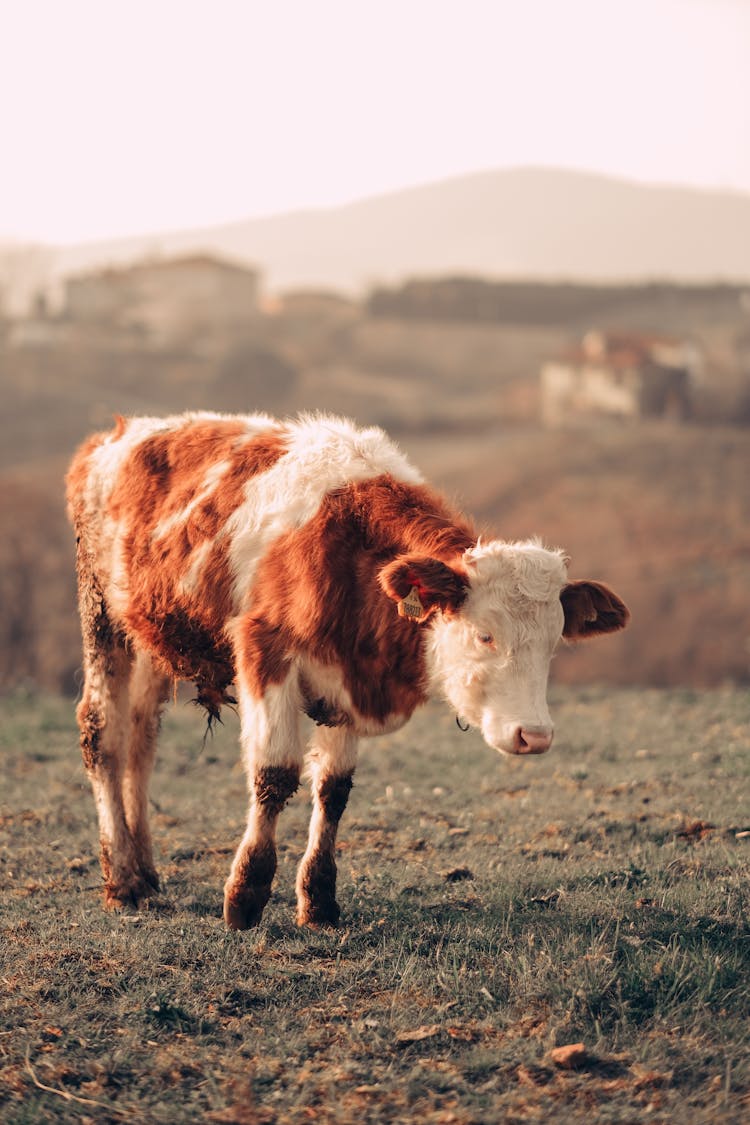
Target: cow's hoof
128, 894
316, 892
244, 909
150, 880
318, 915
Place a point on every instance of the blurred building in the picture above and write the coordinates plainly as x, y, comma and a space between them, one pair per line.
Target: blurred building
166, 301
620, 375
319, 304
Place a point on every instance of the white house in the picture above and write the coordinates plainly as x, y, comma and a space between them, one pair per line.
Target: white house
619, 375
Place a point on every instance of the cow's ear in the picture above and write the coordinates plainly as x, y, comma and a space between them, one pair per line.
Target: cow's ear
420, 584
591, 608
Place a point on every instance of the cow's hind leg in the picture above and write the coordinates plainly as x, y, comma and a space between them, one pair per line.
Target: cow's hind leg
103, 720
149, 689
332, 761
273, 759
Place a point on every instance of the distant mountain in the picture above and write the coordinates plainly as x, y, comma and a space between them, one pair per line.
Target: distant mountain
524, 223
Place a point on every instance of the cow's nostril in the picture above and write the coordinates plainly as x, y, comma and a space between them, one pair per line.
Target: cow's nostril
520, 746
531, 741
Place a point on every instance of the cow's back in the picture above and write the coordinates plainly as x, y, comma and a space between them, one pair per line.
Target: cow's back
175, 514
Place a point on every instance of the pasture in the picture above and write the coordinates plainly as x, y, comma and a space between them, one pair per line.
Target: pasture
493, 911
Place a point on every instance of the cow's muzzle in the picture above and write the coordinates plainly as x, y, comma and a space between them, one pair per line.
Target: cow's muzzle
518, 738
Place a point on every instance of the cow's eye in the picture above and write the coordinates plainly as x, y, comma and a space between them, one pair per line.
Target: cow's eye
486, 638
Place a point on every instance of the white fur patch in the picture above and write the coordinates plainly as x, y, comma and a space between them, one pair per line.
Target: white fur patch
198, 558
332, 750
271, 726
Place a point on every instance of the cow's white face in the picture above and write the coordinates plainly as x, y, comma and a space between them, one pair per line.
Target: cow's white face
493, 621
491, 658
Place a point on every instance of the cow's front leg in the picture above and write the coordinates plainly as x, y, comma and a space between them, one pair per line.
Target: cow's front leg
332, 762
273, 758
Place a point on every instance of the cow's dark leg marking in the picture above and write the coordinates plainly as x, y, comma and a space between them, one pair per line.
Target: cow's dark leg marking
270, 712
332, 765
248, 888
316, 878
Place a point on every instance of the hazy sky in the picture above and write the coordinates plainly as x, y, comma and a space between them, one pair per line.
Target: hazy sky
131, 116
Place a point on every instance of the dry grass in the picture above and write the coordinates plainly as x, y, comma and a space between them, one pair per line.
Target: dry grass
493, 910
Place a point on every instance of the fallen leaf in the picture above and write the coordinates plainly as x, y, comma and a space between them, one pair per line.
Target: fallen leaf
78, 864
693, 830
568, 1056
426, 1031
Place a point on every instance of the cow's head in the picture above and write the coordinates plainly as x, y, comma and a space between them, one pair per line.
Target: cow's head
494, 619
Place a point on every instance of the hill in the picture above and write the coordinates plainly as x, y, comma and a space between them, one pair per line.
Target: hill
526, 222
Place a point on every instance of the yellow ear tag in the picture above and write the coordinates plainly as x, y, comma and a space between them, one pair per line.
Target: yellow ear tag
412, 607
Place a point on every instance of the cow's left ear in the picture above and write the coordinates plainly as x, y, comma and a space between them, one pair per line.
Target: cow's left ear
423, 583
591, 608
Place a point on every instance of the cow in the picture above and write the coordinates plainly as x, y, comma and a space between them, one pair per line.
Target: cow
305, 566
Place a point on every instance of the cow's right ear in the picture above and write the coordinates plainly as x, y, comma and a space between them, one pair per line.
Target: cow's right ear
420, 584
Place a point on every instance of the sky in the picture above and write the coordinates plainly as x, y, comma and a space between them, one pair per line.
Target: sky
122, 117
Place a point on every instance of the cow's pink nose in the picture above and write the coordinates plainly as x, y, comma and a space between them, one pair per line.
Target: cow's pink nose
532, 740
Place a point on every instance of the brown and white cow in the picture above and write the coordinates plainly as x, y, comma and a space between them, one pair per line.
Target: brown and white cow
307, 563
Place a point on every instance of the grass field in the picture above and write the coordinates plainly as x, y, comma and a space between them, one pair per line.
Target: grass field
493, 910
